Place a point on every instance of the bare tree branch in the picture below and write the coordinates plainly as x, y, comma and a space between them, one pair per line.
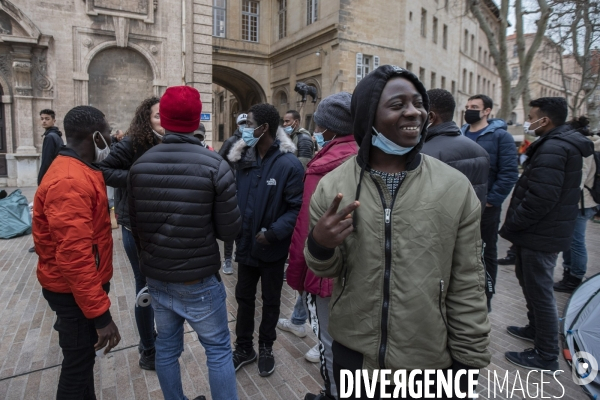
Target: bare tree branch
498, 50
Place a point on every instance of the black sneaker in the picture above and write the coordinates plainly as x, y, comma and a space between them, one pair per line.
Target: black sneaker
31, 249
147, 358
266, 361
525, 332
200, 398
242, 357
568, 284
530, 359
508, 260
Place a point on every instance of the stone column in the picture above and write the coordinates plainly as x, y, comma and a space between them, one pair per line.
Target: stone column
23, 99
26, 155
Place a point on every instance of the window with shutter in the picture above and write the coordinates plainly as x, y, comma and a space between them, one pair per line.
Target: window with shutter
359, 67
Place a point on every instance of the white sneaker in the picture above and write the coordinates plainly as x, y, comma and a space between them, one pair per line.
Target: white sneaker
313, 355
286, 325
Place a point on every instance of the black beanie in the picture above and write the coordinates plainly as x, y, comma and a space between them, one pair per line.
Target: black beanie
365, 100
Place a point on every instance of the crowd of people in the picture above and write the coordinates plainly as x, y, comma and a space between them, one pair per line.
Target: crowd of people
386, 216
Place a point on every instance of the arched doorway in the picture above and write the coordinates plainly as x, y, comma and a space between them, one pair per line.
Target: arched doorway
234, 92
246, 89
119, 79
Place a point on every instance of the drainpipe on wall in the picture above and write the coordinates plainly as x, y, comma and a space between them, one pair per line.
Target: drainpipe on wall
183, 45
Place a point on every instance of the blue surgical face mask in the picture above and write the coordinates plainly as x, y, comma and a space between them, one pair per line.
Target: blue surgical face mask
241, 126
389, 147
289, 130
320, 139
248, 136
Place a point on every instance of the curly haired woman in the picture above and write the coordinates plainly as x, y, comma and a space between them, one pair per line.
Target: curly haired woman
144, 132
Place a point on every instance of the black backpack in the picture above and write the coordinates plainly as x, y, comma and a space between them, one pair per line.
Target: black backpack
595, 189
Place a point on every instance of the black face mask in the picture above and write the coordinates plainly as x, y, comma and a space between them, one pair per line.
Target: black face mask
472, 116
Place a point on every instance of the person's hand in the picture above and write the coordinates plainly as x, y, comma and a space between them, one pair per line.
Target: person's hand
260, 238
108, 336
333, 227
488, 205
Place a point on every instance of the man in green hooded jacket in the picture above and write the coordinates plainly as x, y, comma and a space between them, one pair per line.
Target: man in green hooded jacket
400, 232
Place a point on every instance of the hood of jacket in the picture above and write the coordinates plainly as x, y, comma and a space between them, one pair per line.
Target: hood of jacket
363, 108
444, 129
581, 142
53, 129
493, 124
239, 149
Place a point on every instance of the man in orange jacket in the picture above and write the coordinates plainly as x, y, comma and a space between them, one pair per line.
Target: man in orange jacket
72, 236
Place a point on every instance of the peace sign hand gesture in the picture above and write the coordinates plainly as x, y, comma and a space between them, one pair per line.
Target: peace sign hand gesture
333, 227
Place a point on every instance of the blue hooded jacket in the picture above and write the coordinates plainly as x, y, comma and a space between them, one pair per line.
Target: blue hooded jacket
269, 196
501, 147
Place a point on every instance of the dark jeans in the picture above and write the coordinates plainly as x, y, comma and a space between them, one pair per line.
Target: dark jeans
490, 221
535, 272
76, 337
144, 316
271, 282
228, 249
347, 359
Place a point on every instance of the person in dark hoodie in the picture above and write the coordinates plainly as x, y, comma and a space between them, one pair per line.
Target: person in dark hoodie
269, 179
399, 230
50, 146
227, 267
540, 222
444, 142
52, 142
491, 134
144, 133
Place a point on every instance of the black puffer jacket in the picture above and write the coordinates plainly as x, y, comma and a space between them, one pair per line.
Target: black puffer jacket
544, 204
182, 198
115, 168
445, 143
50, 148
305, 148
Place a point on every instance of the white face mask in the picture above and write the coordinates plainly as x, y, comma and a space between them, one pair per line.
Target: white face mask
526, 126
101, 154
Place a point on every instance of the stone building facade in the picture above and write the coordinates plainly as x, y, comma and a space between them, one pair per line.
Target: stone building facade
545, 77
110, 54
261, 49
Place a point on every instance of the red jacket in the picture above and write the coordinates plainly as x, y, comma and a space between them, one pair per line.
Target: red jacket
299, 277
72, 233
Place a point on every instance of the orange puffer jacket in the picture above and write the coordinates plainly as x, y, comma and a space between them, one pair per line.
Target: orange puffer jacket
72, 233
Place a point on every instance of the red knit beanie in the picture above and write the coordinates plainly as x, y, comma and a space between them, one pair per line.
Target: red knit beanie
180, 109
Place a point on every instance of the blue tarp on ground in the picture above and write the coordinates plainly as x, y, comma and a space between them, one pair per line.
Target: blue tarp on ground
14, 216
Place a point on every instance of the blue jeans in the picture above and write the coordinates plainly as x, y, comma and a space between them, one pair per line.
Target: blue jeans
576, 258
299, 315
202, 305
144, 316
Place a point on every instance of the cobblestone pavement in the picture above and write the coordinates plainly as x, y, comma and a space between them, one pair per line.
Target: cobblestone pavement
30, 355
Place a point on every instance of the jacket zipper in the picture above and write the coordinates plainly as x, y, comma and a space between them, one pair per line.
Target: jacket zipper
440, 303
387, 273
